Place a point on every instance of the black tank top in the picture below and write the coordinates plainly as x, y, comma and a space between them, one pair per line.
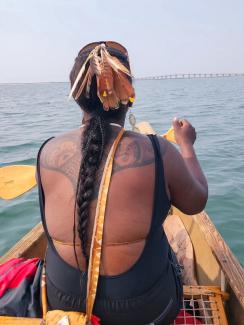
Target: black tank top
137, 296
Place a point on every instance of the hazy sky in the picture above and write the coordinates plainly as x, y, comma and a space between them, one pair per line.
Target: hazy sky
40, 38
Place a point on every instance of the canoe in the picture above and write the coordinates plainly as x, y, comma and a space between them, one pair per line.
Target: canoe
218, 272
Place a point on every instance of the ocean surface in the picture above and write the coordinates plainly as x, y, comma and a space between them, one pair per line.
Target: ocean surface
30, 113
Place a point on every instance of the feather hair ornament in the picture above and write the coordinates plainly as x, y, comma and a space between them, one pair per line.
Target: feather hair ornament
113, 86
80, 74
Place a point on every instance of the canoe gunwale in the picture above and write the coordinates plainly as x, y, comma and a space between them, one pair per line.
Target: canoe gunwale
33, 244
229, 264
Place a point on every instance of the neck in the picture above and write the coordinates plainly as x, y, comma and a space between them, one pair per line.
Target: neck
120, 122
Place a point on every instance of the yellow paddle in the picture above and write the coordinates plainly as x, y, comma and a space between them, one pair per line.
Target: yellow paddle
16, 180
146, 128
170, 135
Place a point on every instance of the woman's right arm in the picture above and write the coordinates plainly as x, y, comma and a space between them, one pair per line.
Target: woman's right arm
186, 182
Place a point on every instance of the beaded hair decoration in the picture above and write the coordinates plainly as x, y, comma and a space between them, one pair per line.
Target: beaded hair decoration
113, 86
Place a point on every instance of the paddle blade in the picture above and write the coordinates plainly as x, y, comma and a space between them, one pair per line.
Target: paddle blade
145, 128
16, 180
170, 135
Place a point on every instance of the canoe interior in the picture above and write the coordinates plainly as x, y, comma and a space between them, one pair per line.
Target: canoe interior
212, 271
208, 271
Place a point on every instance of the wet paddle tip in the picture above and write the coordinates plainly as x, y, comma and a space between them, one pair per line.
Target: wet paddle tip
16, 180
170, 135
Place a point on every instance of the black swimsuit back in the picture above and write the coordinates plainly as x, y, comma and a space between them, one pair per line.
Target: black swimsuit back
150, 292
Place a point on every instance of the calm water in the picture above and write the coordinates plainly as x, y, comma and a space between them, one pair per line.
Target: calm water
30, 113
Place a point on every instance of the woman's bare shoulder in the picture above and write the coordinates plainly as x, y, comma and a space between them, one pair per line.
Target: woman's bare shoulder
62, 154
61, 144
135, 150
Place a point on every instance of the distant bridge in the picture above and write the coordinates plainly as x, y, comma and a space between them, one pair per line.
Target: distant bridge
192, 75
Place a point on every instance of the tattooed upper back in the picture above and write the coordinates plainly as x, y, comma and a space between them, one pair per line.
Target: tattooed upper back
63, 154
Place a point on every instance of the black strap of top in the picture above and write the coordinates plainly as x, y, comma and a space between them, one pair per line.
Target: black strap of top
41, 193
160, 195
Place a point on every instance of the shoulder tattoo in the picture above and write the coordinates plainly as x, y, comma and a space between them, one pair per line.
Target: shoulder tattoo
64, 157
132, 155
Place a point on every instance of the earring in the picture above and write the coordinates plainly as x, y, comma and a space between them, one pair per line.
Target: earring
132, 121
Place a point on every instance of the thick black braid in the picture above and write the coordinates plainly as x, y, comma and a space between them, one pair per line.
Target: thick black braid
95, 138
92, 147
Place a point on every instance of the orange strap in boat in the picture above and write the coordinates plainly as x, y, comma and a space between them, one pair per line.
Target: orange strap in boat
97, 236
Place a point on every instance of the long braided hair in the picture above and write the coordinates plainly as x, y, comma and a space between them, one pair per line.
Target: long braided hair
96, 135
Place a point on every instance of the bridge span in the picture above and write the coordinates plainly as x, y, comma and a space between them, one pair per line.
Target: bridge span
191, 76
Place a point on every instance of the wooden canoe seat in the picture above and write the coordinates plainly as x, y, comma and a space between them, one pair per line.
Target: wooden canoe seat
203, 305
